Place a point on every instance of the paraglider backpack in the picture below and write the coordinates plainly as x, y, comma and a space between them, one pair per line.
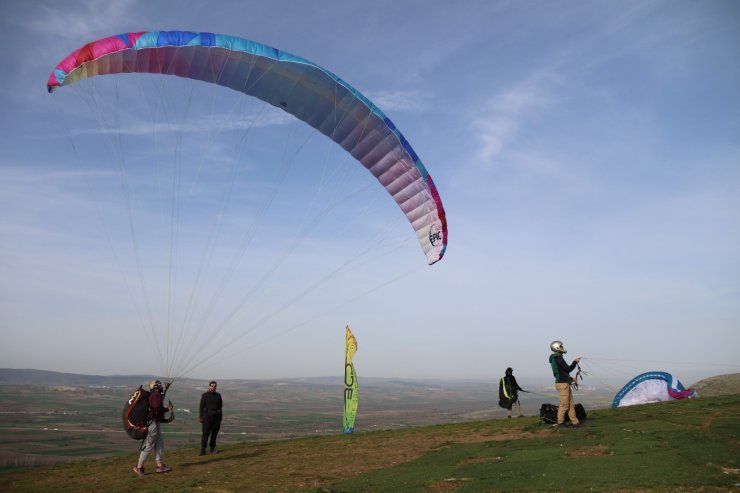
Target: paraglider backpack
549, 413
506, 403
505, 397
136, 417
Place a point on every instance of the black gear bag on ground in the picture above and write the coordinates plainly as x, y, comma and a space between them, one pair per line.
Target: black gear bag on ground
549, 413
136, 416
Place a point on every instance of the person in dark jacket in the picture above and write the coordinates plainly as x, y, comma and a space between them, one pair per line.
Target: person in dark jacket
561, 371
210, 414
508, 395
154, 438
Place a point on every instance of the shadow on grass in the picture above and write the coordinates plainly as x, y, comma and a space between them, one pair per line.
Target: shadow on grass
215, 458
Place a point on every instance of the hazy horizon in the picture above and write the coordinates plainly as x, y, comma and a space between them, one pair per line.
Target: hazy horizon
535, 383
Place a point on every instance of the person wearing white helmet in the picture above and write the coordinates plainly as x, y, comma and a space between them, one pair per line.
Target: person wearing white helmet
154, 439
561, 371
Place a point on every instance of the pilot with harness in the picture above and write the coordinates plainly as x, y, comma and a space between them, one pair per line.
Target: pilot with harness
508, 393
563, 381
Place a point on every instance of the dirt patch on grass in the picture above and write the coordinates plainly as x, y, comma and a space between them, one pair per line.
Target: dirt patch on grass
592, 451
444, 486
499, 435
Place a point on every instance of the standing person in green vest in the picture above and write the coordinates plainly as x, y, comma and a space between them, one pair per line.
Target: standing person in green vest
508, 395
561, 371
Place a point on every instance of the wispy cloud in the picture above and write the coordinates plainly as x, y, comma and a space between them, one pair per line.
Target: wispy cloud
507, 112
83, 23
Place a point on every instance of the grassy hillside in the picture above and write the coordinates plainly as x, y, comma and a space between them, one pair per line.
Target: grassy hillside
719, 385
678, 446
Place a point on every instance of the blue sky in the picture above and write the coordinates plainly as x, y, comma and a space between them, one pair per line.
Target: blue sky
587, 154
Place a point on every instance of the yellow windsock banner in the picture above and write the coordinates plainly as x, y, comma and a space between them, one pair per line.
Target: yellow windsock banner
351, 393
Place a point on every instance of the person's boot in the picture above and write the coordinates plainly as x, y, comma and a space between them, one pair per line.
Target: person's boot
202, 451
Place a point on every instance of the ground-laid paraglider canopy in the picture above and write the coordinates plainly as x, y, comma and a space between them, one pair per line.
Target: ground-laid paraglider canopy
653, 386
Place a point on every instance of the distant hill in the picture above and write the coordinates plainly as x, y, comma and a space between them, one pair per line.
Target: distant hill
13, 376
719, 385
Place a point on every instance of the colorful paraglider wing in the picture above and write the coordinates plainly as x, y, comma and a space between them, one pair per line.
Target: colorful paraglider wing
653, 386
351, 394
291, 83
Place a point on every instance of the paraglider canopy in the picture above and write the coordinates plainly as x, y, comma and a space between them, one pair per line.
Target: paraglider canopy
296, 85
653, 386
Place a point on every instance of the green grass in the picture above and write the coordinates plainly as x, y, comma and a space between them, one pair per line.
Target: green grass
659, 446
677, 446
